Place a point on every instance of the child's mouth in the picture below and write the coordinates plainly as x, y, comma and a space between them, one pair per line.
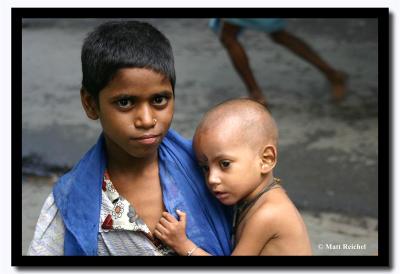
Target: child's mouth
147, 139
221, 195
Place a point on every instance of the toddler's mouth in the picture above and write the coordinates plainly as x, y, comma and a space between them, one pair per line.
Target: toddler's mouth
221, 195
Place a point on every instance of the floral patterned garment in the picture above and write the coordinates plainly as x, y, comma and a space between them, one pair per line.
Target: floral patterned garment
123, 216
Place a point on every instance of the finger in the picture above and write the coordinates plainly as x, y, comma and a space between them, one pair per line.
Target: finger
163, 221
182, 216
158, 234
169, 217
161, 229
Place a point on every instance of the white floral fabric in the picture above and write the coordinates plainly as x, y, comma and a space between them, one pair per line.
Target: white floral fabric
121, 215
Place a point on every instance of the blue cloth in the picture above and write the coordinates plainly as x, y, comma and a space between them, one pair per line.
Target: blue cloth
261, 24
78, 197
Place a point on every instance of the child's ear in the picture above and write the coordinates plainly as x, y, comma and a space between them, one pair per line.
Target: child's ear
89, 104
268, 158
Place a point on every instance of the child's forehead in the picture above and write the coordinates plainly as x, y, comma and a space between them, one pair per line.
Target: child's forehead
228, 123
138, 77
210, 146
224, 133
138, 72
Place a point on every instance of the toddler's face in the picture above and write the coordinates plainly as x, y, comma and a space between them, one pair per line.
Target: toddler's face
136, 110
231, 167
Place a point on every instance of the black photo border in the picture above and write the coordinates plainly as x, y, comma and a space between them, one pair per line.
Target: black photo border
383, 259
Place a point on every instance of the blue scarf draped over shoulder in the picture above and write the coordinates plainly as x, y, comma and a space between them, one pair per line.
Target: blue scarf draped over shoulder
78, 197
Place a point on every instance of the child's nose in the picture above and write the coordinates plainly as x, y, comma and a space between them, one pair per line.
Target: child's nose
213, 178
144, 117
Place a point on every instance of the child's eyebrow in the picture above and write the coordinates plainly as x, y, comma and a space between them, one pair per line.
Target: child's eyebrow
224, 156
133, 97
122, 96
203, 160
163, 93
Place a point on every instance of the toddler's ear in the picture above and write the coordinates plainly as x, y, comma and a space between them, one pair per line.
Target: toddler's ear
268, 158
89, 104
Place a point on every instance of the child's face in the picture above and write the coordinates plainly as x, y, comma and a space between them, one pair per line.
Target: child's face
231, 167
135, 111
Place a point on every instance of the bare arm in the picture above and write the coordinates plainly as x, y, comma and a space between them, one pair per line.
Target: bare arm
255, 234
173, 233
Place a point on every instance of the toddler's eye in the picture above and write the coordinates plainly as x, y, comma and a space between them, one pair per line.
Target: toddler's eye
205, 169
160, 100
225, 163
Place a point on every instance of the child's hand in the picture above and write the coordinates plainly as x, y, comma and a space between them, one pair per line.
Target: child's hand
173, 232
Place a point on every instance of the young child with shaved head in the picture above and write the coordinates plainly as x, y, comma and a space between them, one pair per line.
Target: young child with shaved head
236, 146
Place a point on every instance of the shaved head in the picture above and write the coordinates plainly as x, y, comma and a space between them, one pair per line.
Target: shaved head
244, 120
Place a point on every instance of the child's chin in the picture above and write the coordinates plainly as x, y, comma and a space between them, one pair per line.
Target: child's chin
144, 153
228, 203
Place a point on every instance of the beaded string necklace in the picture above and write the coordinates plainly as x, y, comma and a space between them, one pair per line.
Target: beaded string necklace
243, 207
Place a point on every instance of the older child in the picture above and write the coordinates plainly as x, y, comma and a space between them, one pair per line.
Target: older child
236, 146
111, 201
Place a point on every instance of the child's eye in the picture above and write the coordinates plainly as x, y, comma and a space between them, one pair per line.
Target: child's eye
124, 103
225, 163
205, 168
160, 100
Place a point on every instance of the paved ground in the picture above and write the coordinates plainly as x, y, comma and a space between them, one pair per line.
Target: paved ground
328, 153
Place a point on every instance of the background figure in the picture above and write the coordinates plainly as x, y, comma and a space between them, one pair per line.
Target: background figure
229, 30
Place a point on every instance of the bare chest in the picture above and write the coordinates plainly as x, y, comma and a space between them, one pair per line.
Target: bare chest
146, 198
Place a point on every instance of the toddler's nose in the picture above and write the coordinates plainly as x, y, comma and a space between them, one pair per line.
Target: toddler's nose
213, 178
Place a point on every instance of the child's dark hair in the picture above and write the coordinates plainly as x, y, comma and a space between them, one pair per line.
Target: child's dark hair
124, 44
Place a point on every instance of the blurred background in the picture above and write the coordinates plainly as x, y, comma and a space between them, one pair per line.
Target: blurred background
328, 153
